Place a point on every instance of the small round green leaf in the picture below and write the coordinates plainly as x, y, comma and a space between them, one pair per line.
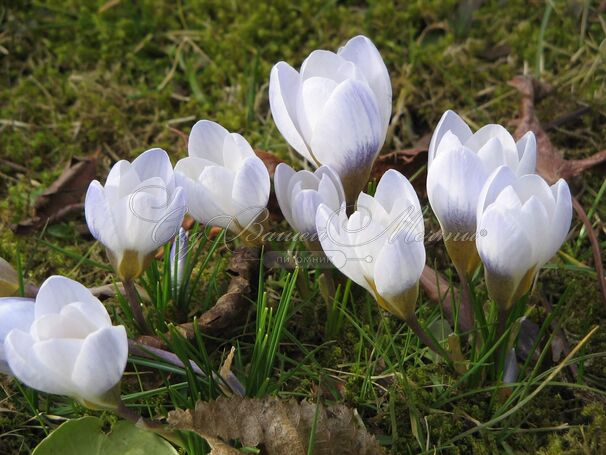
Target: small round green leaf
86, 436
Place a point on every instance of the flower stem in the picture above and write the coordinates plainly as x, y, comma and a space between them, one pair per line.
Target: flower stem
135, 306
426, 339
465, 310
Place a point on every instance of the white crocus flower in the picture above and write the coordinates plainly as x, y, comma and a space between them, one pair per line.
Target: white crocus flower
522, 223
227, 185
380, 246
336, 109
15, 313
300, 193
459, 164
139, 209
71, 347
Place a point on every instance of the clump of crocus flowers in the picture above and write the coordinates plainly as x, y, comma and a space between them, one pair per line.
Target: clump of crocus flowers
335, 112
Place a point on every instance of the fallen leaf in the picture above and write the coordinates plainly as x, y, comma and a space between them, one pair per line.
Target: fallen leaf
551, 164
64, 196
278, 426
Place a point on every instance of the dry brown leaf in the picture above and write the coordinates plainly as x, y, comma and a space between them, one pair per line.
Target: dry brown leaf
64, 196
551, 165
279, 426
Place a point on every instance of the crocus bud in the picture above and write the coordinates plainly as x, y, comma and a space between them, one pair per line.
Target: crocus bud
227, 185
71, 347
459, 164
380, 246
178, 257
300, 193
335, 110
15, 313
139, 209
522, 223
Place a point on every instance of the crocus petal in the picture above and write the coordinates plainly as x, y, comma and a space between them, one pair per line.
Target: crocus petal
99, 218
486, 133
503, 245
282, 177
450, 121
315, 93
492, 155
304, 207
101, 362
338, 246
364, 54
15, 313
25, 364
58, 291
121, 180
399, 266
323, 64
527, 154
561, 220
206, 141
501, 178
235, 151
284, 97
330, 188
348, 135
394, 191
250, 191
154, 163
454, 181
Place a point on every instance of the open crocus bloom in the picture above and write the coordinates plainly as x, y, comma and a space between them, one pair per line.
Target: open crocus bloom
522, 223
71, 347
300, 194
380, 246
139, 209
227, 185
459, 164
15, 313
336, 109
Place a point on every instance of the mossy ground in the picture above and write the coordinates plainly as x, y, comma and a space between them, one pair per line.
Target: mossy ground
122, 77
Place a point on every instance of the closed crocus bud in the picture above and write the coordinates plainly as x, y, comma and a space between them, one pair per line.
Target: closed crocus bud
335, 110
71, 347
522, 223
178, 257
227, 185
300, 194
139, 209
459, 164
15, 313
380, 246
